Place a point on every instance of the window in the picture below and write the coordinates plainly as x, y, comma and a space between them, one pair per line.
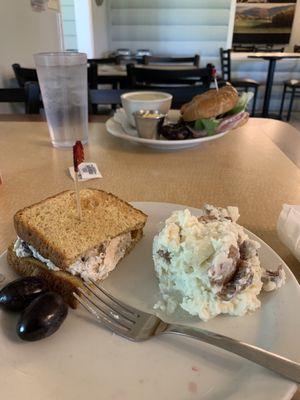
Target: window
68, 25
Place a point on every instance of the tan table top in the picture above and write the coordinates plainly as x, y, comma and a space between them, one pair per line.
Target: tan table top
253, 167
244, 168
273, 54
239, 55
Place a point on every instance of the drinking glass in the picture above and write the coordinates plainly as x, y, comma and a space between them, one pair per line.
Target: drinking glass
63, 82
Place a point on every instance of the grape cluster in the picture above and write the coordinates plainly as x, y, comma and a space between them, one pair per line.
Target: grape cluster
177, 131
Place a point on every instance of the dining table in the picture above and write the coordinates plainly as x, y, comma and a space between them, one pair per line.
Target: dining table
255, 167
272, 58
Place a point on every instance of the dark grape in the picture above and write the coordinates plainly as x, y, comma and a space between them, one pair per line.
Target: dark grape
42, 317
175, 132
17, 295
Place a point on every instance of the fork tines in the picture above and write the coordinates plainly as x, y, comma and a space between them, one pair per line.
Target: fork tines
109, 311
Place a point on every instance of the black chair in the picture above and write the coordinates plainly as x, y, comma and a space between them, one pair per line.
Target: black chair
270, 50
242, 84
296, 49
142, 78
291, 87
107, 60
29, 95
95, 79
181, 95
253, 49
195, 60
24, 75
242, 48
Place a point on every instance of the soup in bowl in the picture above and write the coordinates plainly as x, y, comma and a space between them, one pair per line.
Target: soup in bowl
136, 101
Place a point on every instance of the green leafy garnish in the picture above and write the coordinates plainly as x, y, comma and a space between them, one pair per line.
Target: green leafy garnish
241, 104
209, 125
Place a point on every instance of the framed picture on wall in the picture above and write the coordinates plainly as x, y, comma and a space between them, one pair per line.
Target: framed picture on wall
264, 21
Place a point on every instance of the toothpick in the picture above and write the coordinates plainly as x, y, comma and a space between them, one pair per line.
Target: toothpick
216, 84
79, 210
78, 158
214, 74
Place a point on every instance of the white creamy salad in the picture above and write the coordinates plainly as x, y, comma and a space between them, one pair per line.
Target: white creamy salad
208, 266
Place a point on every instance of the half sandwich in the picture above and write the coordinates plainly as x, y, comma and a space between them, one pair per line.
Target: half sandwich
55, 245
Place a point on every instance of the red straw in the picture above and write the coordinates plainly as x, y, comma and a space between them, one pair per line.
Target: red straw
78, 158
78, 154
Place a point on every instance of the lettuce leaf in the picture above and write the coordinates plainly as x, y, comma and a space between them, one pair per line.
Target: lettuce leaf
209, 125
241, 104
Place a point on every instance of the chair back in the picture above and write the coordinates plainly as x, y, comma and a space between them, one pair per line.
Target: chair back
108, 60
225, 59
141, 77
181, 95
270, 50
109, 97
241, 48
29, 95
296, 49
24, 75
195, 60
94, 79
92, 74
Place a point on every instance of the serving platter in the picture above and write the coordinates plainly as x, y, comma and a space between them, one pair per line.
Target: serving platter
83, 360
119, 126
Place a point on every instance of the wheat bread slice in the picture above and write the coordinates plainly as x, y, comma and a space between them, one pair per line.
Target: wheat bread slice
58, 281
61, 282
52, 226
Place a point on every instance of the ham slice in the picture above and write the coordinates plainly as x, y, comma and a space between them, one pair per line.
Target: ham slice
231, 122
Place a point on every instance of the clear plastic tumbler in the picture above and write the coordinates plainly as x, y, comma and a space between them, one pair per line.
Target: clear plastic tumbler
63, 82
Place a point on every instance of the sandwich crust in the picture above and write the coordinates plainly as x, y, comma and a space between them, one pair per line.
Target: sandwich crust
210, 104
60, 282
54, 230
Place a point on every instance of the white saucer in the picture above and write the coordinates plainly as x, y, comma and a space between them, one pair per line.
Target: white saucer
119, 126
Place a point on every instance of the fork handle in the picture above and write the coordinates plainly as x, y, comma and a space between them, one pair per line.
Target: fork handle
274, 362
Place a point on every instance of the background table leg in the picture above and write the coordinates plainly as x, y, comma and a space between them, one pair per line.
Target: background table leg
269, 83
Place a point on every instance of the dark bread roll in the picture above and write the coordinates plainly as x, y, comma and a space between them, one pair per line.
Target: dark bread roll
210, 104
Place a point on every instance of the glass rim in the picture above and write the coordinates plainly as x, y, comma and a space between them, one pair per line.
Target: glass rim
59, 53
60, 58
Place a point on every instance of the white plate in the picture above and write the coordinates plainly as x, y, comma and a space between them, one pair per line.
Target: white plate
121, 129
84, 361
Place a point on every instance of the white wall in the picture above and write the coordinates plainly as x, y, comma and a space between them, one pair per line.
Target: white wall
100, 28
174, 27
24, 32
84, 27
69, 24
92, 27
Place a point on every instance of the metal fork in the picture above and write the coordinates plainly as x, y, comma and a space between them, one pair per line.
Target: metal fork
137, 325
